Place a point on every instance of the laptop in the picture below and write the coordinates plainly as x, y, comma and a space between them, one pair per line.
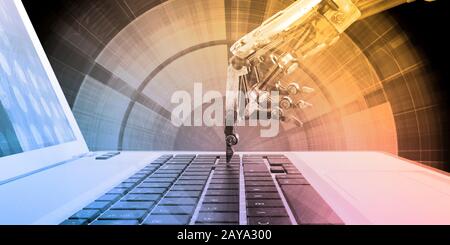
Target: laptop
49, 176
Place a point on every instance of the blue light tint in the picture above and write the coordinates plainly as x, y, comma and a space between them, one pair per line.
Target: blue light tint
31, 116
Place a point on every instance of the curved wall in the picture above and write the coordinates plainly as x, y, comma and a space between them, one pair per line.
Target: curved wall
120, 61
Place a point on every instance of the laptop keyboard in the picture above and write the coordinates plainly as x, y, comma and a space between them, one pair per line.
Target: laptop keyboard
202, 189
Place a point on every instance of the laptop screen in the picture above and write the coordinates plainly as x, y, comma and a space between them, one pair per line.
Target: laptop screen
31, 116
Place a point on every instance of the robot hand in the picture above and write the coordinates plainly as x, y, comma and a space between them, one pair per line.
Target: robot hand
231, 138
263, 57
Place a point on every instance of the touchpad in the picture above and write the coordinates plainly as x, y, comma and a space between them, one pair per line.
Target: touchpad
395, 197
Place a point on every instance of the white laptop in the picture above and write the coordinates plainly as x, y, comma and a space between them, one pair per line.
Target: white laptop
49, 176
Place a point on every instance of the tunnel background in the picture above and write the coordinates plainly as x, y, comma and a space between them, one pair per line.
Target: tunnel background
381, 87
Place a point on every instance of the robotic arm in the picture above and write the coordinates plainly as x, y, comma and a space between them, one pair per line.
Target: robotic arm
276, 49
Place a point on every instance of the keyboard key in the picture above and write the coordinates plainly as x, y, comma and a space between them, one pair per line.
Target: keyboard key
290, 176
183, 194
193, 178
273, 160
138, 176
232, 161
186, 159
259, 203
145, 171
224, 163
226, 176
215, 217
164, 176
154, 185
116, 222
260, 189
223, 187
276, 156
266, 212
227, 169
75, 222
109, 197
267, 178
200, 167
221, 172
172, 167
221, 199
269, 221
273, 164
180, 165
179, 201
123, 214
292, 170
202, 162
263, 195
185, 209
257, 174
189, 156
89, 215
255, 168
191, 182
196, 173
220, 207
102, 206
159, 161
254, 161
213, 156
203, 171
102, 158
148, 191
125, 185
157, 219
124, 205
277, 170
259, 183
182, 159
292, 182
159, 180
224, 181
131, 181
187, 187
170, 171
119, 191
115, 153
222, 193
141, 197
